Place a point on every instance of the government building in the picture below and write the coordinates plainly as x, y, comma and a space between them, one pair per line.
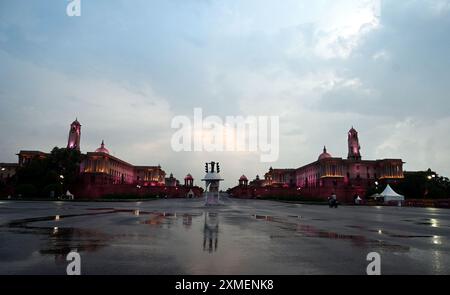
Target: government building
104, 174
346, 178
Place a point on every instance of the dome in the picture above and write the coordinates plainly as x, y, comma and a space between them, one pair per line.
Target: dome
324, 155
243, 177
189, 177
102, 149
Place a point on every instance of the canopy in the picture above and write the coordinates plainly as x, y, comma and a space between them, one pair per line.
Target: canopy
375, 196
390, 195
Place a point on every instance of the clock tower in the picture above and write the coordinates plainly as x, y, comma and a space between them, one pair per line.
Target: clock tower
353, 145
74, 135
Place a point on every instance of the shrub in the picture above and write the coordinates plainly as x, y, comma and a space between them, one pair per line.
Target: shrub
26, 190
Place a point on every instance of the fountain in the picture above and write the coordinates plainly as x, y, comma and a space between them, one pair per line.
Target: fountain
212, 181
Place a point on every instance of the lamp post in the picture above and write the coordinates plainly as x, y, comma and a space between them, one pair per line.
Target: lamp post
428, 183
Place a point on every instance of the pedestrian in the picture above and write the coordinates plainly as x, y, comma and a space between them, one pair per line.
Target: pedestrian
332, 200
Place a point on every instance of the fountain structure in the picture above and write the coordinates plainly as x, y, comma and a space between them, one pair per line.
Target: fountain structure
212, 181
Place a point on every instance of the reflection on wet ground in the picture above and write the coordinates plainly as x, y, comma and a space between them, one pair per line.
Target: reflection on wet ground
305, 230
242, 236
210, 232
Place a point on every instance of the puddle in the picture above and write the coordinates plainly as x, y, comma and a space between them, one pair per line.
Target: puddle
99, 209
309, 231
295, 216
61, 240
389, 234
393, 235
263, 217
158, 218
211, 232
185, 238
382, 245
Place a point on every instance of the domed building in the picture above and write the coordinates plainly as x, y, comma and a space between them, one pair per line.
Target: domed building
102, 168
102, 148
324, 155
345, 177
102, 174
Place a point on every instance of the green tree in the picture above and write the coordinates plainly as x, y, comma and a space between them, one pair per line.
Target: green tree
57, 172
425, 184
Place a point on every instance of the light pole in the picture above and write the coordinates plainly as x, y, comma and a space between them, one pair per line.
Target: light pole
430, 177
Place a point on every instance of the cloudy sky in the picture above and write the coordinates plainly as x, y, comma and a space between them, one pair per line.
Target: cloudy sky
126, 68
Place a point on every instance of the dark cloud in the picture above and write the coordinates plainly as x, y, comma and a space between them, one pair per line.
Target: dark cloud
126, 69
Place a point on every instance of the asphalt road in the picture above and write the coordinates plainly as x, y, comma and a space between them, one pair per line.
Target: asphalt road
238, 237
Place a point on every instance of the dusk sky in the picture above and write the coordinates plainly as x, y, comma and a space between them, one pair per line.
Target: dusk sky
126, 68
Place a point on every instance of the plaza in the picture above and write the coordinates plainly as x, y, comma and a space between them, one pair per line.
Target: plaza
183, 236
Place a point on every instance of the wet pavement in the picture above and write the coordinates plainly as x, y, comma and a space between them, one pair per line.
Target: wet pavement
239, 237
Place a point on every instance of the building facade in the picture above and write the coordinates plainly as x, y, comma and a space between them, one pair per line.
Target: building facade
280, 177
327, 175
7, 171
99, 167
102, 173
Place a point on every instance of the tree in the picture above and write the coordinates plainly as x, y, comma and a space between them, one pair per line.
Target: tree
57, 172
425, 184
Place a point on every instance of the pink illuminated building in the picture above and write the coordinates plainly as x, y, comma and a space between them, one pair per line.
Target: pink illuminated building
319, 179
104, 174
99, 167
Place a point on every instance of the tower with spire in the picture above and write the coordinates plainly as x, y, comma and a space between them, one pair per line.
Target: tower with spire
74, 135
353, 145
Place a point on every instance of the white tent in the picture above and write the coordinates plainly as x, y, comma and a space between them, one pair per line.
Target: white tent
390, 195
375, 196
